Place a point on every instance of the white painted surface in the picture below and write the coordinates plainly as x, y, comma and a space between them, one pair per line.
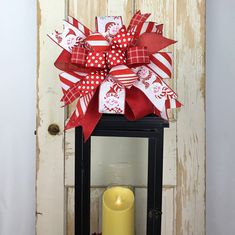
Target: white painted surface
17, 116
220, 117
17, 142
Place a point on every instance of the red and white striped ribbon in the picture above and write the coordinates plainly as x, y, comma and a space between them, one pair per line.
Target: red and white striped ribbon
123, 75
69, 80
80, 110
172, 104
161, 64
169, 104
97, 42
79, 26
83, 103
150, 27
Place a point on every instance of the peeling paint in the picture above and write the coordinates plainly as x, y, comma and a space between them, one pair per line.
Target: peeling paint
188, 25
38, 118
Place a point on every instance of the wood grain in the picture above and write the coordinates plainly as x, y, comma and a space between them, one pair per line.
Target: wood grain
184, 149
50, 150
190, 69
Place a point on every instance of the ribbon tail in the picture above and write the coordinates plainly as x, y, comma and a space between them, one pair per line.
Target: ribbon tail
87, 118
172, 104
73, 121
91, 118
154, 42
161, 64
150, 27
169, 104
137, 20
71, 95
77, 24
68, 38
80, 111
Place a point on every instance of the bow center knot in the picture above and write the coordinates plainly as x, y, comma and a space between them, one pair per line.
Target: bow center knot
115, 57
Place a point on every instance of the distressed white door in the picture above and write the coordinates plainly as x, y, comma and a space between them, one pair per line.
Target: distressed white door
184, 150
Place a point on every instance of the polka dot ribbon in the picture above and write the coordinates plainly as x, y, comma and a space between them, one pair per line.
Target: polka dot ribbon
114, 57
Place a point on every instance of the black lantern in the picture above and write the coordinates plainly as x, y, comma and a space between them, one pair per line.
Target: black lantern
150, 127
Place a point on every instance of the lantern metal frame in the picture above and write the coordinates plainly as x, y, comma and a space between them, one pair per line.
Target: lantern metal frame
151, 127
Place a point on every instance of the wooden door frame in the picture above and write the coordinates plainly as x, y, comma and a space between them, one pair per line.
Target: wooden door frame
190, 121
50, 148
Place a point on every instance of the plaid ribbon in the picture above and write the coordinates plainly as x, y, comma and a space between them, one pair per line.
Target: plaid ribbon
72, 94
112, 58
78, 55
137, 19
137, 55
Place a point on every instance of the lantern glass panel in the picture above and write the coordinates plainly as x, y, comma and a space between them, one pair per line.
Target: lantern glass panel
119, 161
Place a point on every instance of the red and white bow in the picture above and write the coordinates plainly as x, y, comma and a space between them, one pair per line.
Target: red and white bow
129, 59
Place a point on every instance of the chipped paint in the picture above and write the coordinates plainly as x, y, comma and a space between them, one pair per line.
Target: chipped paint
50, 153
190, 190
38, 117
185, 21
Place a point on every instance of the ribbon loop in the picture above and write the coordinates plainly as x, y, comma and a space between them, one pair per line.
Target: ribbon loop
115, 57
123, 39
96, 60
137, 55
97, 42
123, 75
78, 55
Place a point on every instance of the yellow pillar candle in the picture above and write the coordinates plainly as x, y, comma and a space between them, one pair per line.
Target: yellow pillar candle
118, 211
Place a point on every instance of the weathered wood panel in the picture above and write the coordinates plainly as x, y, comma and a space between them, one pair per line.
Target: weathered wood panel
167, 211
95, 223
50, 149
190, 71
184, 156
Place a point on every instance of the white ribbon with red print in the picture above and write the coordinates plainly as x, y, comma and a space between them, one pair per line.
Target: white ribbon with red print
157, 91
73, 32
111, 98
